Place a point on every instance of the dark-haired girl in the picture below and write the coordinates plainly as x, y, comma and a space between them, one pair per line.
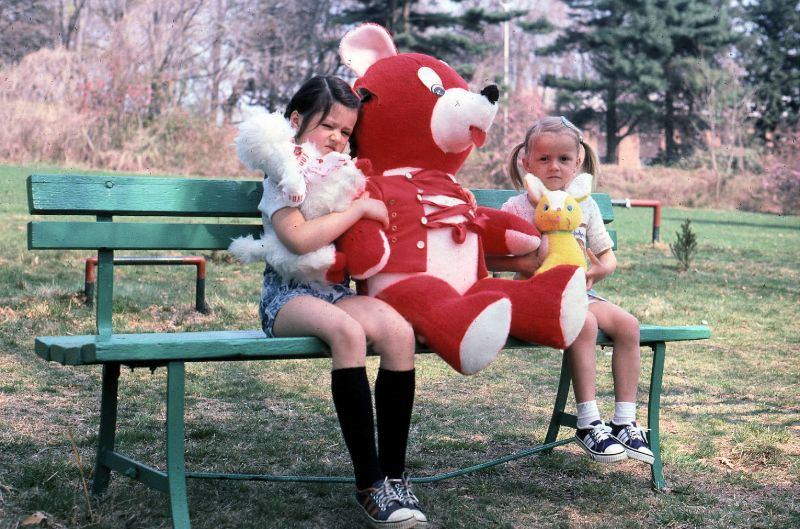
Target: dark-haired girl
323, 112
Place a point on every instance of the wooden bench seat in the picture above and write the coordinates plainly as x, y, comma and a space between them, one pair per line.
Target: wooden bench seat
212, 212
249, 345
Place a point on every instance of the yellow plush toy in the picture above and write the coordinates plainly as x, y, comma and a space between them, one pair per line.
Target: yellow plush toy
557, 216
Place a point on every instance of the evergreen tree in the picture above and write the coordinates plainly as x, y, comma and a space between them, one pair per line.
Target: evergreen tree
625, 51
449, 36
695, 32
641, 54
772, 59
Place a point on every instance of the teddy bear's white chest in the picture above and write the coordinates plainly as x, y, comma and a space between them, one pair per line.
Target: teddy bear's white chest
455, 263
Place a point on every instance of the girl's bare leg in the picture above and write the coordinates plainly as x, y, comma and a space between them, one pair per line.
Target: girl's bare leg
309, 316
386, 330
623, 328
583, 361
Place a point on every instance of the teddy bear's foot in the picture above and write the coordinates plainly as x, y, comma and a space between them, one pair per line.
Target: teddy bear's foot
468, 332
548, 309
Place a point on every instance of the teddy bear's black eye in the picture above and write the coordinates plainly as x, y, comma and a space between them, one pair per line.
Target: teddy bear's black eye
546, 207
438, 90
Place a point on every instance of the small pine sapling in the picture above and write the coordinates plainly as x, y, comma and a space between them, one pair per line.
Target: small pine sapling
685, 246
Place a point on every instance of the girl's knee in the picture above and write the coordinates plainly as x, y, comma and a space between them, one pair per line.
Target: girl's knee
629, 327
346, 338
395, 343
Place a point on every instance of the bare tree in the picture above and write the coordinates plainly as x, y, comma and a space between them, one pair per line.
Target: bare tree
69, 20
24, 27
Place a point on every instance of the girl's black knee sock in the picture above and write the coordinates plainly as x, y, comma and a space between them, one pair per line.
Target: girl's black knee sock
353, 401
394, 400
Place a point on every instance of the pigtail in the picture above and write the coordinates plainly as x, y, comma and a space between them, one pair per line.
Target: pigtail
513, 168
590, 163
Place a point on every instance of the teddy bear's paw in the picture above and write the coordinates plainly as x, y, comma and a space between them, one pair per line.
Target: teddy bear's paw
336, 273
519, 243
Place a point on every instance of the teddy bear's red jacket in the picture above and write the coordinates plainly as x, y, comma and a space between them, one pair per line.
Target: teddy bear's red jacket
404, 196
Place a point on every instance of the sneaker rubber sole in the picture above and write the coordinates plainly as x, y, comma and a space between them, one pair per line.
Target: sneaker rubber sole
406, 523
602, 458
639, 456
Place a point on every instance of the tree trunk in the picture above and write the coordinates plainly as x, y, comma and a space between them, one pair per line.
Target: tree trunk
216, 61
612, 140
669, 127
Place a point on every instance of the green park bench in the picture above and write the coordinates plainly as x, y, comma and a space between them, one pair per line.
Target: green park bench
204, 206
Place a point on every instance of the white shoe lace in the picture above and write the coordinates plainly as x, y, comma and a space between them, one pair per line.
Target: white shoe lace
403, 488
385, 494
600, 432
636, 433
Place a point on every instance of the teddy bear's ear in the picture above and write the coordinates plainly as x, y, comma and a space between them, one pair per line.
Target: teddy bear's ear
364, 46
581, 186
535, 188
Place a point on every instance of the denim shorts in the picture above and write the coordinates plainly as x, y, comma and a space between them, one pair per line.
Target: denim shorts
277, 291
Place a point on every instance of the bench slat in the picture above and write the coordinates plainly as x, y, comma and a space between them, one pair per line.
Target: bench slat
134, 235
250, 345
53, 194
494, 198
140, 195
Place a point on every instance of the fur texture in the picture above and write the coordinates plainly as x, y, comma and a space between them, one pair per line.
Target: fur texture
329, 183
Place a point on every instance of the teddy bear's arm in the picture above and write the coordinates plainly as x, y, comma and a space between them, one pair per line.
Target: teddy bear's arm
365, 247
507, 234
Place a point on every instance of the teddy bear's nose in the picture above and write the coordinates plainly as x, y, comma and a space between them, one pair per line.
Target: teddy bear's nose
492, 93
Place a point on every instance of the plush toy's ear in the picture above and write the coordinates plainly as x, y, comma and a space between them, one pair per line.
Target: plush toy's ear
535, 188
364, 46
581, 186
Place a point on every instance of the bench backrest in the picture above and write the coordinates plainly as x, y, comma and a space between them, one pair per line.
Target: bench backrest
106, 197
217, 211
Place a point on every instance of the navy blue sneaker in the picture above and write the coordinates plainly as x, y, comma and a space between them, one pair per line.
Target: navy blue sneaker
634, 439
598, 442
383, 507
403, 488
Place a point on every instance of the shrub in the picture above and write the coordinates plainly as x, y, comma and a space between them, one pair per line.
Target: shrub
782, 180
685, 246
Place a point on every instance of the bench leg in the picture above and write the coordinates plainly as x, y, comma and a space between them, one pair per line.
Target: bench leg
108, 426
653, 406
176, 468
561, 401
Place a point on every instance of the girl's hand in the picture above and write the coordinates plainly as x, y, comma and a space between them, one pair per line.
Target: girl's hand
596, 270
372, 209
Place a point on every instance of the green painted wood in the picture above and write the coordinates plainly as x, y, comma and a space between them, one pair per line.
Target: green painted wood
134, 235
64, 194
560, 403
253, 344
176, 467
604, 203
149, 476
613, 235
494, 198
105, 290
141, 195
653, 419
108, 427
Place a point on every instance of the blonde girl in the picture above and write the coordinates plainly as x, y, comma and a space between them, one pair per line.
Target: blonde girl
554, 151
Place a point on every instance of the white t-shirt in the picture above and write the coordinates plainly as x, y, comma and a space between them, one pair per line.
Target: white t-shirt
272, 200
591, 231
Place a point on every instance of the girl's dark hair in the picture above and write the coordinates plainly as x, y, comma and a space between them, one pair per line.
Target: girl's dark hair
317, 96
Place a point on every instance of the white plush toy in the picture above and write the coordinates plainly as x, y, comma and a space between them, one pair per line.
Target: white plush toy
319, 184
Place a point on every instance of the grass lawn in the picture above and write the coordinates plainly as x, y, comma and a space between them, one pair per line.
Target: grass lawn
730, 408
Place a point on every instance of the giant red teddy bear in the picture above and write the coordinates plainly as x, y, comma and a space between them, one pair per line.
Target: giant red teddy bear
417, 125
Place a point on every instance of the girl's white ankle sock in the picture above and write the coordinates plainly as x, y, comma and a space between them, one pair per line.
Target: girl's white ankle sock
587, 414
624, 413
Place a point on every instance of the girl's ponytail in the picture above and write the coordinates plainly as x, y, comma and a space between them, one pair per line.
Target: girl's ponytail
513, 168
590, 163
